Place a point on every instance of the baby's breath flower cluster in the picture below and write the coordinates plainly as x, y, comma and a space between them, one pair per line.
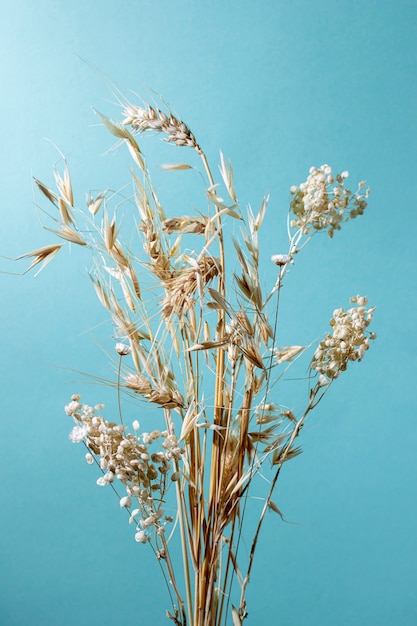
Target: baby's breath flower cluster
128, 458
323, 202
348, 342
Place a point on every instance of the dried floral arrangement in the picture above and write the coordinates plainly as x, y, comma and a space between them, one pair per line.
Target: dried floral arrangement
196, 337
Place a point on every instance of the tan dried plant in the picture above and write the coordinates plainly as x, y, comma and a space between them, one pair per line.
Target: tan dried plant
201, 345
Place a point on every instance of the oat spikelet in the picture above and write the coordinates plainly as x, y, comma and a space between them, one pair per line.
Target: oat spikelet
142, 119
185, 224
42, 255
182, 286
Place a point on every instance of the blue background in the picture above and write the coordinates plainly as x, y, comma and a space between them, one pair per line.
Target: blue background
278, 86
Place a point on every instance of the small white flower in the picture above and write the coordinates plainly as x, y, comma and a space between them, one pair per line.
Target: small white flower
133, 515
280, 259
323, 380
125, 502
78, 433
141, 537
123, 349
89, 458
135, 425
72, 407
147, 521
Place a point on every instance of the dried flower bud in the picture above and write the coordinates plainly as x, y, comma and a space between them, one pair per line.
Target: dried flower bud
72, 407
141, 537
280, 259
123, 349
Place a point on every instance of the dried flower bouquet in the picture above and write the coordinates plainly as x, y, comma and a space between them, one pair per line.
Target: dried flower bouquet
197, 338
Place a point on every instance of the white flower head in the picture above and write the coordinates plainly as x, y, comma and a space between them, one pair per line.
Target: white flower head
123, 349
280, 259
323, 203
78, 433
348, 342
72, 407
141, 537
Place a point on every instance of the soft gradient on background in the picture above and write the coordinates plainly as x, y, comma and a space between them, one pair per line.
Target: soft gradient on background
278, 86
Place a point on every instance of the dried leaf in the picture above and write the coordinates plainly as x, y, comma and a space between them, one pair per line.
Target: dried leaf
174, 167
261, 214
207, 345
235, 616
219, 299
118, 130
287, 353
226, 172
251, 352
274, 508
189, 422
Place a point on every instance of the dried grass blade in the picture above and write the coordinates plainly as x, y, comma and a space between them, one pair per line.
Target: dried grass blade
101, 294
118, 130
65, 210
251, 352
274, 508
189, 423
93, 204
236, 567
42, 255
69, 235
226, 172
260, 217
64, 186
175, 167
135, 152
207, 345
287, 353
218, 298
110, 232
235, 617
52, 197
67, 187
